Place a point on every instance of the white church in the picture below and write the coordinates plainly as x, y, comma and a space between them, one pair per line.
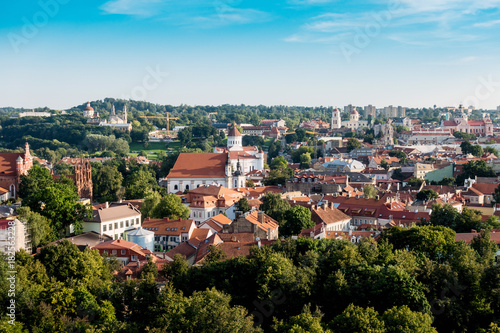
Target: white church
250, 158
353, 123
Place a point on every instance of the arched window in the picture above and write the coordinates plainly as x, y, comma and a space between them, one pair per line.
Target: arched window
12, 190
187, 187
176, 187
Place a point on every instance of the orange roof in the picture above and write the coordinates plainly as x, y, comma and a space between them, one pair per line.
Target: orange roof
8, 164
234, 132
119, 244
199, 165
328, 215
269, 222
167, 226
222, 219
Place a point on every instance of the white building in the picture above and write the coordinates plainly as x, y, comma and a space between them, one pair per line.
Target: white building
114, 220
354, 123
14, 235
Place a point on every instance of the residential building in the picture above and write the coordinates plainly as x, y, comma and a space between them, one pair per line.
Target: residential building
216, 223
256, 222
330, 217
113, 220
210, 200
370, 111
123, 250
168, 232
273, 122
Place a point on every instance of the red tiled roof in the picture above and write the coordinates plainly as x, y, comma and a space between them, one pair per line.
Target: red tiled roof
8, 164
234, 132
199, 165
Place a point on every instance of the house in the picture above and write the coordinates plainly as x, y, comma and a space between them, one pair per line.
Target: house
210, 200
330, 217
256, 222
12, 167
123, 250
169, 233
273, 122
216, 223
480, 193
113, 220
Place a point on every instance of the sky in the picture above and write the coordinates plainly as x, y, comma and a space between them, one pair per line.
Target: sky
414, 53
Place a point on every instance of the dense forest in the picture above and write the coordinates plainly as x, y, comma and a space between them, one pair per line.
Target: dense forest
410, 280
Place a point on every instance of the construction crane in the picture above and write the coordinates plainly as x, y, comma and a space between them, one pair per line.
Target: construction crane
210, 115
157, 117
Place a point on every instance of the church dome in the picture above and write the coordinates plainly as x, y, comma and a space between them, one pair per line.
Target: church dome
89, 108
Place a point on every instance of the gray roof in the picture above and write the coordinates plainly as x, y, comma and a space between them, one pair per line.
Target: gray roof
140, 232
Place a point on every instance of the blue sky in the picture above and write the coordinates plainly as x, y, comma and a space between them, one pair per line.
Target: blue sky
60, 53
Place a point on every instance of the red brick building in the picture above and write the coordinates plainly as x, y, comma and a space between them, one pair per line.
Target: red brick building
12, 166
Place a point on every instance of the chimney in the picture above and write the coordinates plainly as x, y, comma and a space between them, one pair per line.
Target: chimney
259, 244
107, 204
261, 217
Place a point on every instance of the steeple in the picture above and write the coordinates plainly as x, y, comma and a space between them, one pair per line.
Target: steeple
113, 110
124, 113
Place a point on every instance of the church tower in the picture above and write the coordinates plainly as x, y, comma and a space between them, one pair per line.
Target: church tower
124, 113
239, 179
234, 139
336, 119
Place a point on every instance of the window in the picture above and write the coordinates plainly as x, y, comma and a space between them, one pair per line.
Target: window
137, 221
133, 258
187, 187
114, 251
126, 223
176, 187
104, 227
111, 226
123, 252
116, 225
105, 251
121, 224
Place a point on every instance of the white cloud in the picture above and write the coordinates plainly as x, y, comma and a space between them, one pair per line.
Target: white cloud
133, 7
487, 24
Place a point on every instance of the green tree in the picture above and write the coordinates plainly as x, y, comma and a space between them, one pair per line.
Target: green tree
170, 206
305, 322
274, 206
279, 163
305, 160
358, 319
39, 225
427, 195
107, 181
297, 218
402, 319
475, 168
370, 191
150, 269
352, 144
491, 150
243, 205
139, 184
384, 164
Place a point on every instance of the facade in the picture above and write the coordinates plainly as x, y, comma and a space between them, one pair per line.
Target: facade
258, 223
387, 133
249, 158
114, 220
169, 233
354, 123
330, 217
273, 122
370, 111
123, 250
209, 201
89, 112
83, 179
117, 121
478, 127
12, 166
393, 112
336, 119
14, 235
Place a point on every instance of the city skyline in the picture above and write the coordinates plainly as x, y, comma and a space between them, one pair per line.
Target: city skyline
59, 53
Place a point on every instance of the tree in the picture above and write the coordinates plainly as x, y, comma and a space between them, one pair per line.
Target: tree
297, 218
243, 205
139, 184
384, 164
305, 160
397, 153
370, 191
169, 206
415, 182
466, 147
491, 150
475, 168
39, 225
427, 195
215, 254
304, 322
398, 174
402, 319
274, 206
107, 181
358, 319
301, 134
279, 163
352, 144
150, 269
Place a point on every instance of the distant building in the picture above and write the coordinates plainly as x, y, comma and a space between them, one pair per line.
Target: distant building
273, 122
117, 121
12, 167
113, 220
462, 124
370, 110
258, 223
354, 123
89, 112
393, 112
34, 114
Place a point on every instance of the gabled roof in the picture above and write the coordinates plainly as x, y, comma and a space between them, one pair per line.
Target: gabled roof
328, 215
114, 213
199, 165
